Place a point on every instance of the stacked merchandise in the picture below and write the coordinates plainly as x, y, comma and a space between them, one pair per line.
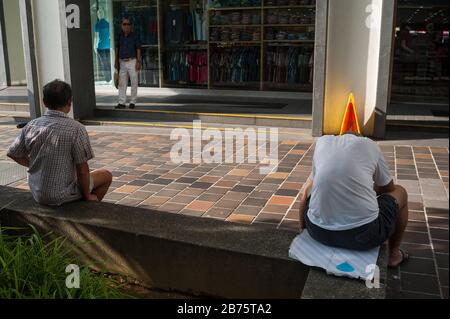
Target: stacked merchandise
238, 18
235, 66
291, 35
144, 19
186, 66
183, 25
147, 26
233, 3
289, 65
289, 2
149, 75
235, 35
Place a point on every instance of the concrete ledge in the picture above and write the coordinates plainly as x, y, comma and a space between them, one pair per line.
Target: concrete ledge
319, 285
174, 252
168, 251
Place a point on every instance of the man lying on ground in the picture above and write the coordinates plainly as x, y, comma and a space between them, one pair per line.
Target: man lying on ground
56, 150
350, 199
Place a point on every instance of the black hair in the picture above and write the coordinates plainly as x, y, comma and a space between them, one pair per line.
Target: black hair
57, 94
127, 18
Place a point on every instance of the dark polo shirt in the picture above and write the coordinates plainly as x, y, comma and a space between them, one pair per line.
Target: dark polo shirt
128, 45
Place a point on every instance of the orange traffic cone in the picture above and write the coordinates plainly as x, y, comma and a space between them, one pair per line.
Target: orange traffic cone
350, 121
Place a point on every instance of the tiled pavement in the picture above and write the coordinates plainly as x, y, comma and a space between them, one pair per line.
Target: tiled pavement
144, 176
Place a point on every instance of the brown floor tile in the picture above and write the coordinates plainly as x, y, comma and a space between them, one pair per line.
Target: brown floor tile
231, 204
237, 218
235, 196
228, 184
190, 212
210, 197
217, 212
182, 199
269, 218
438, 233
277, 209
416, 238
419, 265
419, 283
281, 200
172, 207
167, 192
133, 202
192, 191
243, 189
199, 205
239, 172
127, 189
287, 192
155, 200
141, 195
258, 202
247, 210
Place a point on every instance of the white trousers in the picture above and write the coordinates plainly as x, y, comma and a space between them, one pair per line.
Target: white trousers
128, 68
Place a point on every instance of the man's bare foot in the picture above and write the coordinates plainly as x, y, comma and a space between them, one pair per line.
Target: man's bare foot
397, 257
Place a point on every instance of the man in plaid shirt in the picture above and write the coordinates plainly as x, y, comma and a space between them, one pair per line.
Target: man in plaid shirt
56, 151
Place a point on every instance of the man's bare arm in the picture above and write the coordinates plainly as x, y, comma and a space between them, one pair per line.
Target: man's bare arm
83, 177
303, 199
384, 189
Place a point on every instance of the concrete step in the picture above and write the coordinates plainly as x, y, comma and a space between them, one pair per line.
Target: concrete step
417, 125
199, 256
14, 107
264, 120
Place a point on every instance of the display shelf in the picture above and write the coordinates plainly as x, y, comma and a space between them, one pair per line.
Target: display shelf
304, 42
305, 6
289, 25
235, 25
259, 49
234, 8
235, 42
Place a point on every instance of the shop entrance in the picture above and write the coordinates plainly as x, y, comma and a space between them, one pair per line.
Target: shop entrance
420, 78
255, 45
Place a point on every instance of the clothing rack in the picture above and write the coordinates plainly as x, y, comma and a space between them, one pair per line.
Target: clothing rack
259, 25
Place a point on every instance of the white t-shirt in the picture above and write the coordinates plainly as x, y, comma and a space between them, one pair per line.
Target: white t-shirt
345, 169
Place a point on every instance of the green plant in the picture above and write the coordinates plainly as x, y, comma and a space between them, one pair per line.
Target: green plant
33, 266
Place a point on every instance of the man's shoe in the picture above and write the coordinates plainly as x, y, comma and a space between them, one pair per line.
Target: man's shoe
120, 106
132, 106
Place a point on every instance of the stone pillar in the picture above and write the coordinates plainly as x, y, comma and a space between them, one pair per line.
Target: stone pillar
4, 65
55, 51
358, 58
320, 58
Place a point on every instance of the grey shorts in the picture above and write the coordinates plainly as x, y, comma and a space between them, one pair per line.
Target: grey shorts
364, 237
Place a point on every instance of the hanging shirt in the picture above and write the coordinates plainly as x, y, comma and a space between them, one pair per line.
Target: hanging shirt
174, 26
102, 28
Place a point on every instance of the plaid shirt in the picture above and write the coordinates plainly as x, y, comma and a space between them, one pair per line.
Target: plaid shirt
55, 144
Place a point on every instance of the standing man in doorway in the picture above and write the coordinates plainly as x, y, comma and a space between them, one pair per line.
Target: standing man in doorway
128, 61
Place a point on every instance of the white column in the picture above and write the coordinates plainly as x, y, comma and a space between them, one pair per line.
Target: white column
355, 63
56, 50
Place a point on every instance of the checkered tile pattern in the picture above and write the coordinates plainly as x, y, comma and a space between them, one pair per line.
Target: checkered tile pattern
144, 176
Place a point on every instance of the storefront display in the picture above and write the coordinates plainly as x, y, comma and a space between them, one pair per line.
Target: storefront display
420, 70
236, 44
